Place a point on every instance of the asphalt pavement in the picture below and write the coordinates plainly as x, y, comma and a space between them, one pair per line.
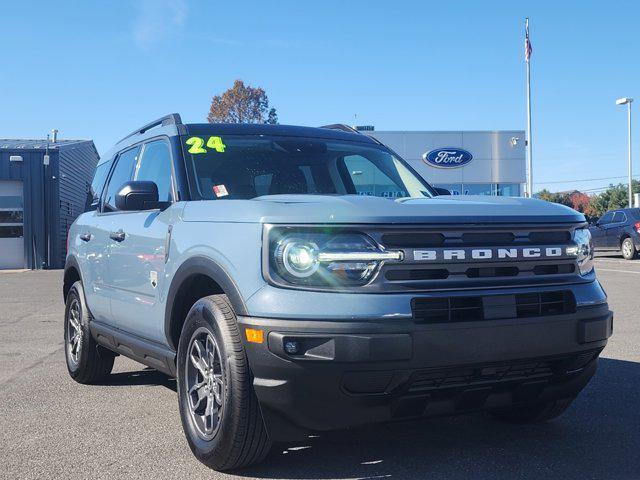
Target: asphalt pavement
52, 427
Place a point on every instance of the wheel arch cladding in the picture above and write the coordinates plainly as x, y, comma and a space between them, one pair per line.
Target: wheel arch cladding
197, 277
71, 276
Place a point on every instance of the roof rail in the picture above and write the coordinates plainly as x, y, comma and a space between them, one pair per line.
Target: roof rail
341, 126
171, 119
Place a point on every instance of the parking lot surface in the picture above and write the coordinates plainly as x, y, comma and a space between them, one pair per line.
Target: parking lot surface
51, 427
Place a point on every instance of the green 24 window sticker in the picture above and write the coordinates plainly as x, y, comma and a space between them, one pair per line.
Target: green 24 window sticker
196, 145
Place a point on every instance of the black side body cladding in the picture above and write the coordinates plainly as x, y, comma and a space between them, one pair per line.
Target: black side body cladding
139, 349
200, 265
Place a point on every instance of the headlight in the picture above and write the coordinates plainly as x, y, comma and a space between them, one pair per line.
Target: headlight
584, 250
324, 258
299, 258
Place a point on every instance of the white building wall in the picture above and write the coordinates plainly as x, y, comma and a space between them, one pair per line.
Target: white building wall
499, 157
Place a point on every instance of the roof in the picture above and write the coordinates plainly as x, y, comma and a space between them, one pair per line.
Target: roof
279, 130
34, 144
171, 125
422, 132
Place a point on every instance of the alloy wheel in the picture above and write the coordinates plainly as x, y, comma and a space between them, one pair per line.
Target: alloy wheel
204, 374
74, 331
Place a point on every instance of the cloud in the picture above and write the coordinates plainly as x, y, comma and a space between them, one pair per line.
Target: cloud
158, 19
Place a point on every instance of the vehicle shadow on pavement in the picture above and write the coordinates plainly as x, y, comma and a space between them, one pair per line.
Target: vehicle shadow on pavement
598, 437
147, 376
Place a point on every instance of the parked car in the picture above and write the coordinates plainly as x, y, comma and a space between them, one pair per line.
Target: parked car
300, 279
618, 230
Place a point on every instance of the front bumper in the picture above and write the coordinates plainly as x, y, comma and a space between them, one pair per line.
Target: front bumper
356, 372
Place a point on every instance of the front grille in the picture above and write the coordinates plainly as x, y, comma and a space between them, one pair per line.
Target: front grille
492, 307
414, 389
493, 373
485, 257
452, 272
481, 238
473, 375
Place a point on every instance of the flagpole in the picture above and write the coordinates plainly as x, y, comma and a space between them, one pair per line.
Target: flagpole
529, 140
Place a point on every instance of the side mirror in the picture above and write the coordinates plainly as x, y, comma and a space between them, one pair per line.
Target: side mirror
441, 191
138, 195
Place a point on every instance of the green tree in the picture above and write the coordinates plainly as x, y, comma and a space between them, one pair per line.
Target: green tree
242, 104
616, 196
562, 198
546, 195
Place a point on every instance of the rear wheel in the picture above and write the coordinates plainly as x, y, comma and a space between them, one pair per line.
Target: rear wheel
87, 361
628, 249
533, 413
218, 407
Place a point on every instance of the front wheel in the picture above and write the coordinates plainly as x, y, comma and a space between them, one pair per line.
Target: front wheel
533, 413
218, 406
628, 249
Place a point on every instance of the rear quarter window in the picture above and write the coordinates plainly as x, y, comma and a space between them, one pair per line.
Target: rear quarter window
619, 217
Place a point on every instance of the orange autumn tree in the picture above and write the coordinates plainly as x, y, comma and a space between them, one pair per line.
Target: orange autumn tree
242, 104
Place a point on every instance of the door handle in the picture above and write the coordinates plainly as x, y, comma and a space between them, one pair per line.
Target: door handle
117, 236
85, 237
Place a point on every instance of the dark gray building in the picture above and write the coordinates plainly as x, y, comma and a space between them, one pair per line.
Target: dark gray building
43, 188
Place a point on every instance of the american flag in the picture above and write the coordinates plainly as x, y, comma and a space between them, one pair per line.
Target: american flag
527, 44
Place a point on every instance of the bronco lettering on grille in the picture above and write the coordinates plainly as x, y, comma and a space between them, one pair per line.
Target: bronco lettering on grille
454, 254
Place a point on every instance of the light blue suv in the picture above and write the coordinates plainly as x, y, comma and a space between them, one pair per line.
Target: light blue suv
301, 279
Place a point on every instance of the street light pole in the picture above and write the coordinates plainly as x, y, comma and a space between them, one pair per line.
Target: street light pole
629, 135
627, 101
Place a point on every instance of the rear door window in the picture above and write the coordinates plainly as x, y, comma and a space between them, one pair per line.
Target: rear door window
619, 217
122, 172
606, 218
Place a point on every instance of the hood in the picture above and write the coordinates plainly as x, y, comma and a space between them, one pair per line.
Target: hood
363, 209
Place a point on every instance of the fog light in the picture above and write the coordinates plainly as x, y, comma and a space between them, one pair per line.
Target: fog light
292, 347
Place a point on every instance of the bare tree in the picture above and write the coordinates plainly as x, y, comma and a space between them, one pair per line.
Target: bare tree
242, 104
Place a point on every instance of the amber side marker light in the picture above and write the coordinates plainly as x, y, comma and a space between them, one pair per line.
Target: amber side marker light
254, 335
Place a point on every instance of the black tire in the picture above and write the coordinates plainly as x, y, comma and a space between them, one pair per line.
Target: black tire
239, 438
534, 413
628, 249
88, 362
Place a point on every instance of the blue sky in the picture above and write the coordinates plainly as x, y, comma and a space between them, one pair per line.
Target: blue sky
99, 69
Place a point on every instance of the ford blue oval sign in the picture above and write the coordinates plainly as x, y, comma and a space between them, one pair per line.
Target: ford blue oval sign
447, 157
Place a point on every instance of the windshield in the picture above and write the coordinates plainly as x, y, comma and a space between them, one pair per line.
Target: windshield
248, 166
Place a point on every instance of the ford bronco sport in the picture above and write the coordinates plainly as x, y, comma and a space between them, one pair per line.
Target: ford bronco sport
301, 279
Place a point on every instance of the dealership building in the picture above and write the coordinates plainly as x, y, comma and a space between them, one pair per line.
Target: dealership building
463, 162
43, 188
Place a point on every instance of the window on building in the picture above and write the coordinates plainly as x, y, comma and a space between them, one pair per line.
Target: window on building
122, 172
479, 189
11, 216
508, 190
155, 166
454, 188
11, 231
